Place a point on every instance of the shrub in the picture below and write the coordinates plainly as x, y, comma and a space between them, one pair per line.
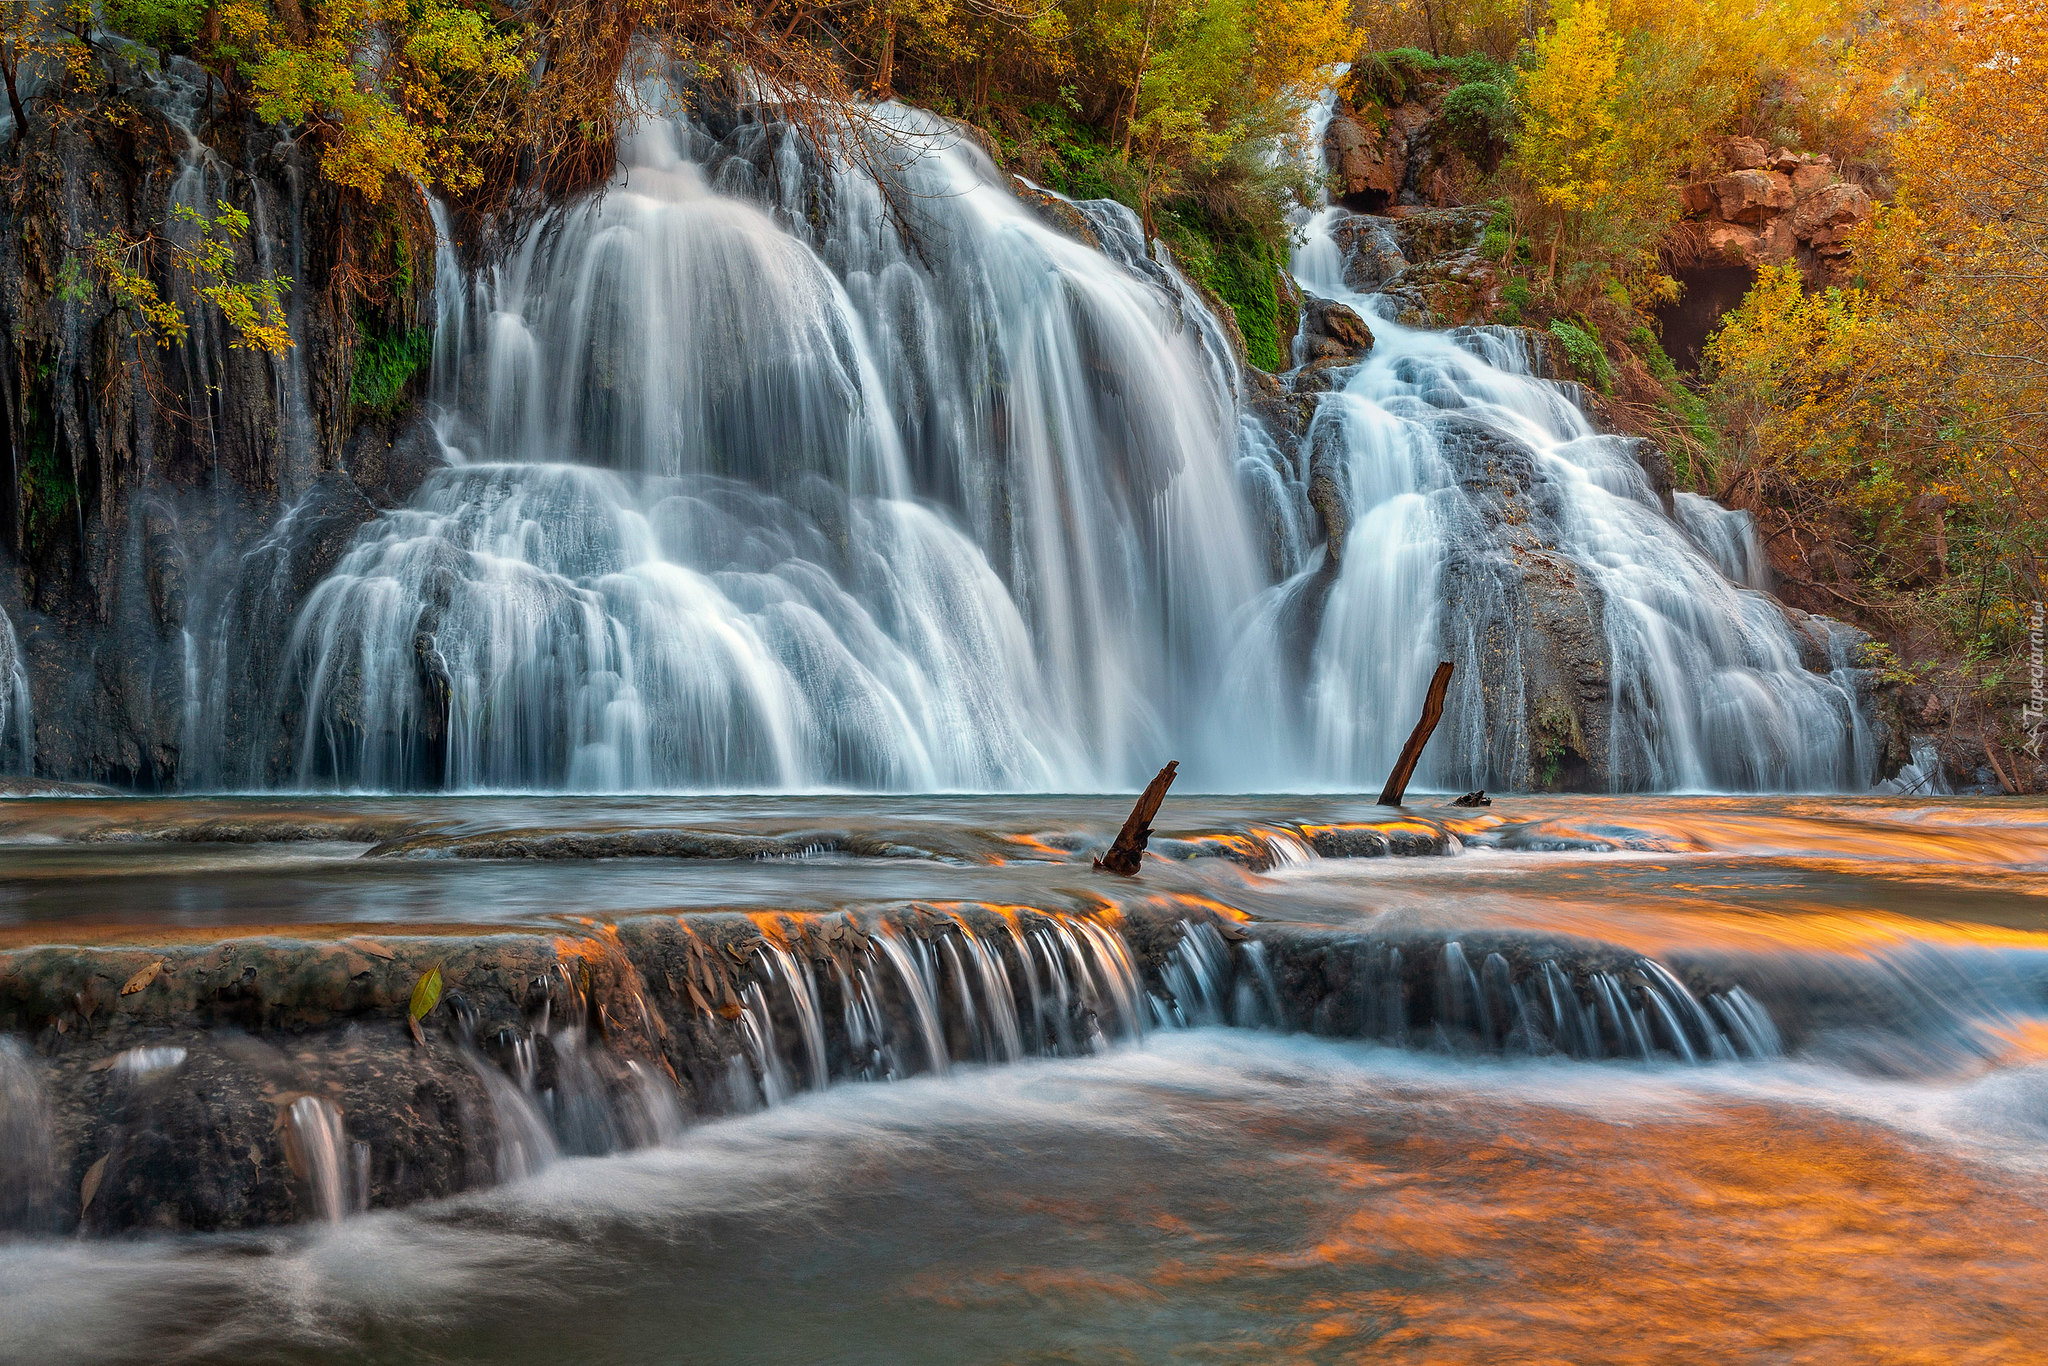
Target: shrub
1481, 120
1582, 351
1388, 78
1515, 299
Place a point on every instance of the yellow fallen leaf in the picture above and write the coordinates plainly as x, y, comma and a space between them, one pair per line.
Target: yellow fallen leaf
143, 978
90, 1187
426, 995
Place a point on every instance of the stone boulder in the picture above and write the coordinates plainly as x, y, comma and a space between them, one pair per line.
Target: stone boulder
1774, 207
1752, 196
1333, 331
1826, 218
1745, 154
1368, 162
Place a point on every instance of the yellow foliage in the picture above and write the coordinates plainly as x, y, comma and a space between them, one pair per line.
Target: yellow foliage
253, 309
1928, 384
1572, 148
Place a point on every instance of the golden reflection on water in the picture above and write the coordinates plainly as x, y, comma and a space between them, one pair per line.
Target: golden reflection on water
1450, 1232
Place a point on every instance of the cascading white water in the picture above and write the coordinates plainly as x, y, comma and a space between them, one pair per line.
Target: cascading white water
17, 717
774, 474
27, 1171
320, 1152
1704, 676
744, 501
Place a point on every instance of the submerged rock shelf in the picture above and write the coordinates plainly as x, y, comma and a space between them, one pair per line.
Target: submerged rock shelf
271, 1079
613, 974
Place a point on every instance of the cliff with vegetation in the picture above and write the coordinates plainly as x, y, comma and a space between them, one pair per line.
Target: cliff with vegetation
223, 219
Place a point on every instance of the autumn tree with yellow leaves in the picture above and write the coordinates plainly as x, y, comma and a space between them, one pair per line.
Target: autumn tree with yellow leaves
1898, 429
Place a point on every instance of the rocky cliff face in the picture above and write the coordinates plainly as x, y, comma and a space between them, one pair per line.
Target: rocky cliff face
1773, 207
143, 469
1384, 154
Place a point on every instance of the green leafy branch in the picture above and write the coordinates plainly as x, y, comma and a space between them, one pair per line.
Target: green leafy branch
253, 309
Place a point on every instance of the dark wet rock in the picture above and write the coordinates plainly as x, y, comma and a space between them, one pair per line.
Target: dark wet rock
1372, 253
181, 457
52, 787
1370, 839
683, 844
1326, 486
388, 464
164, 567
1656, 467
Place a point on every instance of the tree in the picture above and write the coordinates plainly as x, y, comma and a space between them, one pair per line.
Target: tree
1910, 412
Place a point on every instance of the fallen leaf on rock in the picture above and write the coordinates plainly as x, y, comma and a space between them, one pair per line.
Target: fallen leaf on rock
143, 978
418, 1037
426, 994
371, 947
90, 1187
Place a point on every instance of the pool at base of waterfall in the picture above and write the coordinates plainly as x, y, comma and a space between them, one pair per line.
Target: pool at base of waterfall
1559, 1079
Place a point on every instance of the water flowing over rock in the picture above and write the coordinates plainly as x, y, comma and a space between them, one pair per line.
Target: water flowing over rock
1473, 512
764, 468
17, 714
757, 485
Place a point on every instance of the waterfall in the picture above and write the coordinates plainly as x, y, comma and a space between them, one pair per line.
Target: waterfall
320, 1154
17, 717
774, 470
757, 486
1490, 523
28, 1177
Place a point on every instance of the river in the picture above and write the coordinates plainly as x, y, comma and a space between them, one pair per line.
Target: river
1849, 1174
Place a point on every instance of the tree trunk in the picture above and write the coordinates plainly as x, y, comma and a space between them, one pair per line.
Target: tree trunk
885, 67
7, 65
1432, 712
1138, 78
1128, 852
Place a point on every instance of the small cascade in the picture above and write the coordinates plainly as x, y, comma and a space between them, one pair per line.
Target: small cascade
27, 1171
1286, 848
911, 964
796, 980
525, 1143
17, 716
1480, 496
1926, 776
1445, 1001
1729, 538
1197, 977
906, 1003
335, 1172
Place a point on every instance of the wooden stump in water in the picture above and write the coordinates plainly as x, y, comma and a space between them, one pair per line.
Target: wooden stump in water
1432, 712
1129, 850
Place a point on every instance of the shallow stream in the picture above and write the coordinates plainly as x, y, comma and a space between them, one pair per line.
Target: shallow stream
1858, 1181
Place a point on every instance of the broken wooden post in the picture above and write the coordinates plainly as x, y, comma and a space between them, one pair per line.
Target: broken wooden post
1129, 850
1432, 712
